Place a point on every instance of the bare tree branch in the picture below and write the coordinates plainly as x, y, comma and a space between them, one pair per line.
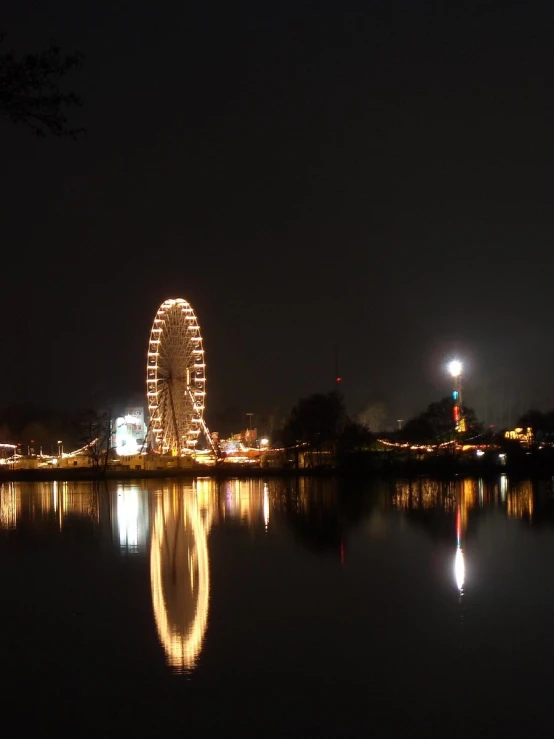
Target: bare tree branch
30, 92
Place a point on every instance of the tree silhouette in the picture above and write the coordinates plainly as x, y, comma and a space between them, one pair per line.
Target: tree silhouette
30, 92
355, 438
94, 430
436, 423
315, 420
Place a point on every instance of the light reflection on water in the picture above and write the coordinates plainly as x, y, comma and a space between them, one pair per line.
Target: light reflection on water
468, 493
132, 518
459, 568
463, 496
180, 573
343, 538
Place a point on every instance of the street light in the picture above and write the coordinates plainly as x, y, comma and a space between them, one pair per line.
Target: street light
455, 368
60, 448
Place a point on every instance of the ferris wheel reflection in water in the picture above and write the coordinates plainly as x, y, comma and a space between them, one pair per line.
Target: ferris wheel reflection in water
180, 572
171, 526
179, 558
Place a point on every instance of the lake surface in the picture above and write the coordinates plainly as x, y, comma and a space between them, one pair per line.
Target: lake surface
286, 608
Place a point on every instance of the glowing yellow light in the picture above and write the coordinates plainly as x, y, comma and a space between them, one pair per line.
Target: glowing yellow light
8, 507
182, 642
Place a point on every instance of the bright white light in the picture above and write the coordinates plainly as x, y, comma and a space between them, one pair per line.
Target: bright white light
459, 569
128, 518
455, 368
479, 452
503, 487
266, 506
127, 447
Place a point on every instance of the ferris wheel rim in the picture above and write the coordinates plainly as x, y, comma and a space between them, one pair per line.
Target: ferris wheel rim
175, 378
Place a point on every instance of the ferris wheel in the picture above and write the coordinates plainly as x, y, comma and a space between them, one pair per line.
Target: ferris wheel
176, 379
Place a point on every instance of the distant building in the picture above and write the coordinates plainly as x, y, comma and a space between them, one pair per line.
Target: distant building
129, 432
524, 436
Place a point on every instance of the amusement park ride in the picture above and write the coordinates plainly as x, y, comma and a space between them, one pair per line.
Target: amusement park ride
176, 384
176, 380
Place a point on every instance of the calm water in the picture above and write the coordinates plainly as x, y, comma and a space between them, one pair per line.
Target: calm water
286, 608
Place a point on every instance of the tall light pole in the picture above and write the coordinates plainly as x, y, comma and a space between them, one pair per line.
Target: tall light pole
455, 368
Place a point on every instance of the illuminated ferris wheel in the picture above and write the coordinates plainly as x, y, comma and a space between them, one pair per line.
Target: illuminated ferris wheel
175, 379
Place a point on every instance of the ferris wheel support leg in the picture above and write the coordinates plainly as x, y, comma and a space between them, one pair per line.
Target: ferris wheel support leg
147, 435
205, 428
209, 439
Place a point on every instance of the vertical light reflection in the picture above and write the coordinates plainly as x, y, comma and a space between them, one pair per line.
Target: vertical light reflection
8, 506
424, 494
266, 505
459, 569
503, 487
244, 500
132, 519
459, 564
180, 572
64, 503
30, 503
127, 518
519, 500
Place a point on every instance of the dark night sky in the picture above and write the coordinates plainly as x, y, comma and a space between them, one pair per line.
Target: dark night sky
372, 175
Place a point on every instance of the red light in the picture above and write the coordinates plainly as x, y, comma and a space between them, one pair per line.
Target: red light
339, 379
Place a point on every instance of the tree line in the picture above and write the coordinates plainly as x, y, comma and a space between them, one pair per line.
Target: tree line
36, 429
320, 422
